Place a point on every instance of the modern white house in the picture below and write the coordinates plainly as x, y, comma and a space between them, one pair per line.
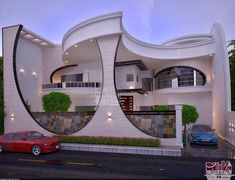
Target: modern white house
114, 80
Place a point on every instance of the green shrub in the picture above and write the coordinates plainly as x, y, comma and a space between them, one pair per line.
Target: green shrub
56, 102
111, 141
161, 108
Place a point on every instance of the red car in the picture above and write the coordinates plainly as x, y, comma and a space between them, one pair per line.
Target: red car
28, 141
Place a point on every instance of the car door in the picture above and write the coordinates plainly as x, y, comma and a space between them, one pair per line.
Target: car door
8, 142
21, 144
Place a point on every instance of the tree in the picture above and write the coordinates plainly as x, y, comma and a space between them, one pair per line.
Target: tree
1, 98
56, 102
189, 115
231, 55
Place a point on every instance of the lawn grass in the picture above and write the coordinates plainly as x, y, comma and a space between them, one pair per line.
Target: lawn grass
122, 141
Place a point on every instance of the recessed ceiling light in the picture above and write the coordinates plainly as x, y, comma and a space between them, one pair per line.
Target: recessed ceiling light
28, 36
66, 62
22, 32
22, 70
44, 43
75, 45
211, 54
66, 53
34, 74
36, 40
91, 40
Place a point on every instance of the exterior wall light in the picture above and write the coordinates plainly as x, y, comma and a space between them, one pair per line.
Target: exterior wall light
91, 40
12, 116
22, 70
66, 62
75, 45
131, 87
211, 54
66, 53
34, 74
109, 116
213, 76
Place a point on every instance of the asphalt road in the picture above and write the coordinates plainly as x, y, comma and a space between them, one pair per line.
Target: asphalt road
71, 164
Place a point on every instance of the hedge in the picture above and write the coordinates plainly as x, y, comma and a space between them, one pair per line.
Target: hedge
122, 141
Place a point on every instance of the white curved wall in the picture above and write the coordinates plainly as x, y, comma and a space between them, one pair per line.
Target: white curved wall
21, 121
221, 93
29, 58
189, 39
99, 26
167, 52
52, 59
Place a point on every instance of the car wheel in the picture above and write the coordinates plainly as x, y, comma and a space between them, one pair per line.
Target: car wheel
36, 150
1, 148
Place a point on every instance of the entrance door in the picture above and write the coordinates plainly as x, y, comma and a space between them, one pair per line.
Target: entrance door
126, 103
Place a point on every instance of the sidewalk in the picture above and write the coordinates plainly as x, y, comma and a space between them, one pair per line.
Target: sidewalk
161, 151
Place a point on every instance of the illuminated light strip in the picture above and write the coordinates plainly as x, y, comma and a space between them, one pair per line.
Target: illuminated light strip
31, 160
69, 163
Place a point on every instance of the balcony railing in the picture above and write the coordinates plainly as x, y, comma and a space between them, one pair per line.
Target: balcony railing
72, 85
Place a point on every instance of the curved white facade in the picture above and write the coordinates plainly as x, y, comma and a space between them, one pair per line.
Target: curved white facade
104, 39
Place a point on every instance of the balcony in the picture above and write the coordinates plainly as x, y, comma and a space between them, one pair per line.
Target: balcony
76, 87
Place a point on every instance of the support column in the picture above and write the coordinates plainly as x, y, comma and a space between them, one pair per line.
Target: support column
178, 111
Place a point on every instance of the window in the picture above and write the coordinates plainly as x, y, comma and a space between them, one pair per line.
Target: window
20, 136
9, 136
179, 76
34, 135
147, 84
129, 77
72, 78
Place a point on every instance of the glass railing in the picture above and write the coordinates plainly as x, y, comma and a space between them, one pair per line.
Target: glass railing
51, 85
178, 82
72, 85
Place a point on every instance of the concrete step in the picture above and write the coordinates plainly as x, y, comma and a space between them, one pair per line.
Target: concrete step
161, 151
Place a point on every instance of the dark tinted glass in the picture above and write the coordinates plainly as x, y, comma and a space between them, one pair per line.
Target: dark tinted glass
19, 136
9, 136
34, 135
180, 76
201, 128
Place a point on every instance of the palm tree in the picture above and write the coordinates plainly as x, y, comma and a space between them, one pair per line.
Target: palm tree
231, 54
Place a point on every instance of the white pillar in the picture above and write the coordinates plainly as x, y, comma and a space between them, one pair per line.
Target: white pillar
178, 111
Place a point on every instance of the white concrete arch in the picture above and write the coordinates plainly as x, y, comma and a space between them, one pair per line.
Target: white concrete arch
168, 52
92, 28
180, 48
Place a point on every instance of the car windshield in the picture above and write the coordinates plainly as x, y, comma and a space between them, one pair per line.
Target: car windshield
200, 128
34, 135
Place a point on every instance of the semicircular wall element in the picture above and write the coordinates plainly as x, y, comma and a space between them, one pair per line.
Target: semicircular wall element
66, 105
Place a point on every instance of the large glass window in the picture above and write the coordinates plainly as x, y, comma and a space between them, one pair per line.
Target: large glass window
179, 76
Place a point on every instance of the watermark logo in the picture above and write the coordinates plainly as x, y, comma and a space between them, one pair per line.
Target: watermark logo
219, 170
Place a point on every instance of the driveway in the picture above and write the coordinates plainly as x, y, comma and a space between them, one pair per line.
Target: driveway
222, 150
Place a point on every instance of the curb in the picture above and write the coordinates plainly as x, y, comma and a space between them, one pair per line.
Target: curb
162, 151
